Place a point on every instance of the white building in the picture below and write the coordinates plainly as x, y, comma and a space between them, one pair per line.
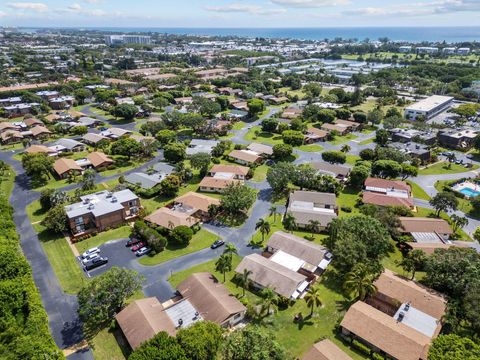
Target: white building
405, 49
427, 50
127, 39
463, 51
428, 107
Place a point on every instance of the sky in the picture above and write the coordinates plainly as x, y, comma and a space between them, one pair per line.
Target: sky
239, 13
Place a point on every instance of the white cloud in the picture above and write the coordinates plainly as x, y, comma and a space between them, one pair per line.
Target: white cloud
3, 14
75, 7
38, 7
310, 3
245, 8
419, 9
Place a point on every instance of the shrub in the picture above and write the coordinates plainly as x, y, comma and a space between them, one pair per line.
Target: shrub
181, 235
346, 209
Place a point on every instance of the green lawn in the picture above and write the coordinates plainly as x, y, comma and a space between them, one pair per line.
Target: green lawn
260, 173
352, 159
348, 197
278, 226
366, 142
296, 337
339, 140
103, 237
63, 262
310, 148
417, 191
263, 137
201, 240
445, 168
239, 125
7, 181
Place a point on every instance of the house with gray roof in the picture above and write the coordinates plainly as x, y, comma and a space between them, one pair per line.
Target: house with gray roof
101, 211
144, 180
308, 207
70, 145
201, 146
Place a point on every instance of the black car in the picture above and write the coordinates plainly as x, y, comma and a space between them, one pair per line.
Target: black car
94, 263
217, 244
132, 241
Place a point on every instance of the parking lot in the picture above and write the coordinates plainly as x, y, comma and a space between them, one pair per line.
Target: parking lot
118, 255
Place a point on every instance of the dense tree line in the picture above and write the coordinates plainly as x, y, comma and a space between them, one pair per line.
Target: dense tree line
24, 331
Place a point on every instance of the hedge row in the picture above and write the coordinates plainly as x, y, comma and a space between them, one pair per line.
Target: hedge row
24, 331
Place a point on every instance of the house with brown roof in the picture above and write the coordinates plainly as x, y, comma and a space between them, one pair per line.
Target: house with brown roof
201, 297
40, 132
35, 149
195, 204
245, 157
212, 299
261, 149
351, 125
326, 350
64, 167
297, 254
340, 129
339, 172
314, 134
291, 113
266, 273
99, 160
426, 230
216, 184
11, 136
384, 192
311, 206
237, 172
400, 320
31, 121
7, 126
170, 219
384, 334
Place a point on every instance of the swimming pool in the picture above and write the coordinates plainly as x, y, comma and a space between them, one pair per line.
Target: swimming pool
469, 192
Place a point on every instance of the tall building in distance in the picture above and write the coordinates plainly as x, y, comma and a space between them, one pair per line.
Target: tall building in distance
127, 39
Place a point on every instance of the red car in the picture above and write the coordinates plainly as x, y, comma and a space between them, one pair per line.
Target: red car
132, 241
137, 246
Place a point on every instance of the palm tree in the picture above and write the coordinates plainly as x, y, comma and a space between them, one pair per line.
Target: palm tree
230, 250
314, 226
273, 211
289, 222
269, 298
345, 148
244, 280
312, 298
223, 265
263, 226
359, 282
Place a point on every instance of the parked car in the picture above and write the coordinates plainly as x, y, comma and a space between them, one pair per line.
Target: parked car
143, 251
132, 241
90, 257
217, 244
94, 250
96, 262
138, 246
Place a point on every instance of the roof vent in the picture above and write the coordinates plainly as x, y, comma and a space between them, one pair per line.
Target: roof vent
109, 194
196, 314
114, 199
86, 200
91, 206
406, 307
401, 315
180, 322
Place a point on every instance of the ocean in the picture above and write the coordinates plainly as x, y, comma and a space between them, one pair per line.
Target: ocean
409, 34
